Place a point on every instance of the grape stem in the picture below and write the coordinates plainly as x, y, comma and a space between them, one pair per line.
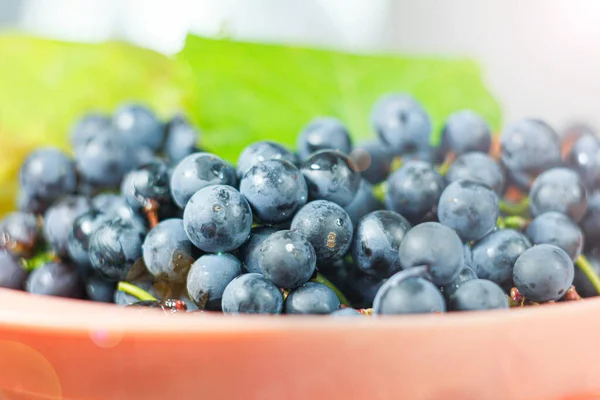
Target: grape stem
135, 291
319, 278
584, 265
445, 166
515, 209
379, 190
151, 210
512, 222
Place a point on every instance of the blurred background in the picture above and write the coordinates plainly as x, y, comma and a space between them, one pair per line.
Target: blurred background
540, 57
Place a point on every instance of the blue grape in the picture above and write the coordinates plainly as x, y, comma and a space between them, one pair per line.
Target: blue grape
59, 219
19, 232
208, 278
99, 289
583, 285
198, 171
103, 160
147, 185
435, 246
331, 175
494, 256
262, 151
466, 274
114, 206
480, 168
12, 274
312, 298
408, 292
31, 204
167, 251
590, 224
469, 208
376, 243
556, 229
543, 273
323, 133
138, 126
55, 279
346, 312
414, 190
374, 161
252, 293
88, 126
558, 189
584, 157
78, 243
115, 247
363, 203
48, 174
249, 251
402, 124
287, 259
275, 189
181, 139
478, 294
217, 219
529, 147
327, 227
358, 287
466, 131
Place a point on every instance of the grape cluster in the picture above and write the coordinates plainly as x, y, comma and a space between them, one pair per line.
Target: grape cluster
138, 214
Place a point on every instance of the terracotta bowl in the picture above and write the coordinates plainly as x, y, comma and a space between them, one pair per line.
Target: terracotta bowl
53, 348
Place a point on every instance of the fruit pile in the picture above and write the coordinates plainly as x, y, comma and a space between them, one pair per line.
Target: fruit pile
139, 215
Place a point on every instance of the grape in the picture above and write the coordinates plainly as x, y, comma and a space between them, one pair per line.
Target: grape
478, 294
469, 208
47, 174
138, 126
88, 126
113, 206
31, 204
99, 289
262, 151
556, 229
357, 286
167, 251
591, 221
12, 274
376, 242
59, 219
249, 251
217, 219
373, 160
402, 124
543, 273
414, 190
529, 147
466, 131
466, 274
408, 292
287, 259
331, 175
435, 246
181, 139
558, 189
115, 247
494, 256
55, 279
346, 312
327, 227
583, 285
252, 293
103, 160
363, 203
323, 133
584, 157
480, 168
312, 298
146, 185
19, 232
198, 171
208, 278
78, 242
275, 190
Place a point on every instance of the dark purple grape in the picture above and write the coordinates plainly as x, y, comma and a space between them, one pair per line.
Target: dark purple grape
558, 189
323, 133
252, 293
262, 151
556, 229
47, 174
478, 294
466, 131
312, 298
480, 168
59, 219
55, 279
12, 274
249, 251
19, 232
138, 126
208, 278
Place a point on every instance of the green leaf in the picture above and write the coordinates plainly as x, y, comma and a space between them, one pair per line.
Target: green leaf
243, 92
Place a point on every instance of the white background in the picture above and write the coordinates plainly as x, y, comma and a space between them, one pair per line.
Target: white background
540, 57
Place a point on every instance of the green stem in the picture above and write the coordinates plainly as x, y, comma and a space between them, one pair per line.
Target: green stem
512, 222
321, 279
444, 167
521, 208
135, 291
379, 190
584, 265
